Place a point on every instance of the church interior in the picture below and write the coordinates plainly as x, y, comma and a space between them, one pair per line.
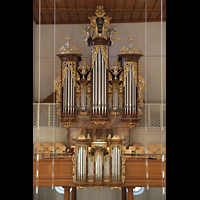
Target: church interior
99, 99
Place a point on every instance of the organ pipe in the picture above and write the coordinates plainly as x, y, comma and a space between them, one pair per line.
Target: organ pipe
68, 88
70, 94
103, 83
96, 85
99, 80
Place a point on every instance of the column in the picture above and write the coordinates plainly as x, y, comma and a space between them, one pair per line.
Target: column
66, 194
68, 138
130, 193
123, 193
73, 193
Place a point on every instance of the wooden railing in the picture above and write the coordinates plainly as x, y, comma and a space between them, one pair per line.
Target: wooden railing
138, 172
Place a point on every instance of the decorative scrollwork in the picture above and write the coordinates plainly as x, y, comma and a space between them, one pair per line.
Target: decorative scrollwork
65, 66
104, 52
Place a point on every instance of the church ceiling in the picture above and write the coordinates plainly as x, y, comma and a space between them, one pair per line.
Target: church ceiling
78, 11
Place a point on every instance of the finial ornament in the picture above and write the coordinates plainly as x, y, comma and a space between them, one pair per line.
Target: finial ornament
100, 25
130, 49
68, 49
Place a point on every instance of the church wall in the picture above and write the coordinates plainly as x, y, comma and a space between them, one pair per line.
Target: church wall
151, 59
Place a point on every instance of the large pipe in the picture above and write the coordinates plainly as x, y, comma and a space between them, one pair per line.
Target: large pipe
127, 78
96, 168
78, 165
68, 88
81, 158
112, 164
84, 165
100, 167
96, 85
99, 80
118, 163
103, 87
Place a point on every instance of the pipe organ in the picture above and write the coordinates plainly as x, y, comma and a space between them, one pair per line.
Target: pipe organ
98, 161
99, 93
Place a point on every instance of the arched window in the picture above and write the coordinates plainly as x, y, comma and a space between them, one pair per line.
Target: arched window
137, 190
61, 190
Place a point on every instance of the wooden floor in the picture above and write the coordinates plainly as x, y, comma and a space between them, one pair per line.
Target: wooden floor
135, 172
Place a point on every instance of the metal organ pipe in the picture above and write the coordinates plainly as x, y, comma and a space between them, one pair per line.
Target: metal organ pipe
99, 80
95, 97
70, 93
118, 165
103, 88
127, 78
68, 88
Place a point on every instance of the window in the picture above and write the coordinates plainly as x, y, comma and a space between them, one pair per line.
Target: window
61, 190
137, 190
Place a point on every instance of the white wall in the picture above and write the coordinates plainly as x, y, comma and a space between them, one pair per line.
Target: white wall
152, 63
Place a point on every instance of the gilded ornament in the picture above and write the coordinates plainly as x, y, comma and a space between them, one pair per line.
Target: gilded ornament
104, 52
100, 25
65, 66
67, 49
81, 137
83, 69
130, 49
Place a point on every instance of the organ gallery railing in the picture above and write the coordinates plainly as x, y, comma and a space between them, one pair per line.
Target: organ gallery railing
154, 115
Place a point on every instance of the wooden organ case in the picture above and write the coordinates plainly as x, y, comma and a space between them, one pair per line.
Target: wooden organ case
97, 95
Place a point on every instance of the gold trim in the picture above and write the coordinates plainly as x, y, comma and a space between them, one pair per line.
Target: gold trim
116, 188
81, 188
98, 187
80, 137
123, 168
74, 167
127, 66
104, 53
65, 66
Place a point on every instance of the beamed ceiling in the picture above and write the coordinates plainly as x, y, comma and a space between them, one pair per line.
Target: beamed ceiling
78, 11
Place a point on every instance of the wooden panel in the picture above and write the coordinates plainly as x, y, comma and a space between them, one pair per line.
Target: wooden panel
135, 172
139, 4
119, 4
129, 4
80, 4
62, 173
109, 4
